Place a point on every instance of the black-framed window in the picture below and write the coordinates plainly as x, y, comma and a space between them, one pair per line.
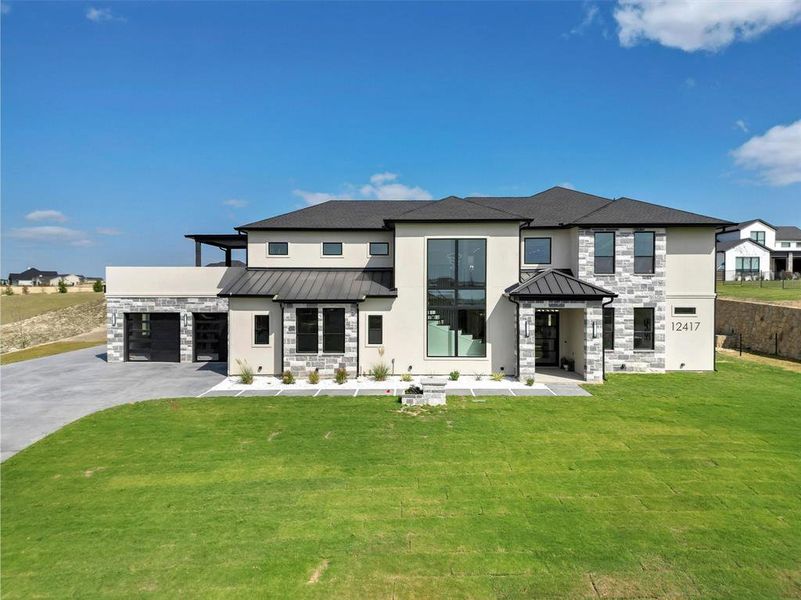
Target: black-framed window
375, 329
379, 248
537, 251
746, 265
332, 248
644, 251
457, 297
785, 244
604, 252
609, 328
643, 328
261, 330
334, 330
278, 248
306, 329
758, 237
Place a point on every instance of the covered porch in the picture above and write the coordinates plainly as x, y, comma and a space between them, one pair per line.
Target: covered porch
559, 327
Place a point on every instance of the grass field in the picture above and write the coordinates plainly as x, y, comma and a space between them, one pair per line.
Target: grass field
24, 306
771, 291
47, 350
678, 485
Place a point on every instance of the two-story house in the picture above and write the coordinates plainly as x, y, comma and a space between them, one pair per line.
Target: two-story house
756, 249
478, 285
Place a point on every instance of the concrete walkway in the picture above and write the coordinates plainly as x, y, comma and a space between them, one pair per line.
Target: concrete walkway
38, 397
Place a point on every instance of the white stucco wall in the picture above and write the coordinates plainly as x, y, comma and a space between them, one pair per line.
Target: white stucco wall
168, 281
770, 233
306, 250
241, 336
562, 250
746, 250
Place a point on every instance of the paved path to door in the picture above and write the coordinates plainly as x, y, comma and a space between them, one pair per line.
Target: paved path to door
42, 395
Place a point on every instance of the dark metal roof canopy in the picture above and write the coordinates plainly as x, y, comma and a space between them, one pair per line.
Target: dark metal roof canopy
552, 284
313, 285
224, 241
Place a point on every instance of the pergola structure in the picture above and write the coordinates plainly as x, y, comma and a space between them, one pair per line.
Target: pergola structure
224, 241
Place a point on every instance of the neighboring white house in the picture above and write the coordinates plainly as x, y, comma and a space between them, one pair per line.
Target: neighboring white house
68, 279
756, 249
478, 285
31, 276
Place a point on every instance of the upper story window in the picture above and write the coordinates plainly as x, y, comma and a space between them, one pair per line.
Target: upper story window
758, 237
278, 248
798, 244
537, 251
379, 249
332, 248
785, 244
604, 252
644, 251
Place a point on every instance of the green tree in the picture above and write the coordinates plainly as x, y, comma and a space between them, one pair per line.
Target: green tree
62, 287
97, 286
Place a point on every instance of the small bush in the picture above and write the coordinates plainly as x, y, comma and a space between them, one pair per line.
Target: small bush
406, 377
413, 389
62, 287
97, 286
9, 291
454, 376
26, 290
314, 377
478, 376
340, 376
530, 381
245, 372
497, 376
287, 377
380, 371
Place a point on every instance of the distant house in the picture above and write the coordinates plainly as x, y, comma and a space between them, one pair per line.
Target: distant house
32, 276
68, 279
758, 250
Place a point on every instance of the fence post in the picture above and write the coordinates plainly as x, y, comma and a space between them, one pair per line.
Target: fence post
776, 344
741, 344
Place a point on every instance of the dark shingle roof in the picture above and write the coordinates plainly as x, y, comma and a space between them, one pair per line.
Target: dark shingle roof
318, 285
627, 211
788, 232
340, 214
457, 209
552, 283
32, 273
554, 207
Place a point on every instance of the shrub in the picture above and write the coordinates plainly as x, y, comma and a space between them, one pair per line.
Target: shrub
413, 389
26, 290
314, 377
62, 287
497, 376
9, 291
287, 377
406, 377
478, 376
380, 371
340, 376
245, 372
530, 381
454, 375
97, 286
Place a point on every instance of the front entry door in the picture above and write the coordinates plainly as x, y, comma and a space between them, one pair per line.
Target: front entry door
546, 338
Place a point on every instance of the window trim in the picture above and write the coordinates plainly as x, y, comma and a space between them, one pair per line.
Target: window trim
652, 256
278, 255
675, 313
341, 250
317, 330
595, 250
344, 331
550, 250
368, 343
253, 341
370, 249
754, 236
610, 309
653, 328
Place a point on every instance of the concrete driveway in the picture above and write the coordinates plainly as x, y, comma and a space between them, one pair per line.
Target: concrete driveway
38, 397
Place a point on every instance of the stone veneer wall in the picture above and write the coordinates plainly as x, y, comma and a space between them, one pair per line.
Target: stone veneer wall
634, 291
765, 327
300, 364
115, 334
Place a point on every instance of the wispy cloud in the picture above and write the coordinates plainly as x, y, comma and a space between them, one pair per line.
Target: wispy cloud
382, 186
741, 125
235, 203
102, 15
5, 8
46, 215
692, 25
591, 16
108, 231
51, 234
690, 83
774, 155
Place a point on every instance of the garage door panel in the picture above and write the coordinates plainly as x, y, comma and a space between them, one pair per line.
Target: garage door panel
154, 337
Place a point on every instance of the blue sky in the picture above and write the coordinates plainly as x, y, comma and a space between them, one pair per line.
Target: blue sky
127, 125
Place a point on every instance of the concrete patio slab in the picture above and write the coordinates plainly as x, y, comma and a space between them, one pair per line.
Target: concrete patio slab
256, 393
534, 392
562, 389
459, 392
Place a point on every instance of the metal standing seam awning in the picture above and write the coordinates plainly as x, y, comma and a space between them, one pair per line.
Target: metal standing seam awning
553, 284
313, 285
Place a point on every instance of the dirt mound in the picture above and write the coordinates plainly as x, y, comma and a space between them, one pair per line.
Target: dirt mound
53, 326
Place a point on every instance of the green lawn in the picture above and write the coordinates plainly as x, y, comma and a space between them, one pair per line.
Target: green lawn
770, 291
679, 485
24, 306
47, 350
